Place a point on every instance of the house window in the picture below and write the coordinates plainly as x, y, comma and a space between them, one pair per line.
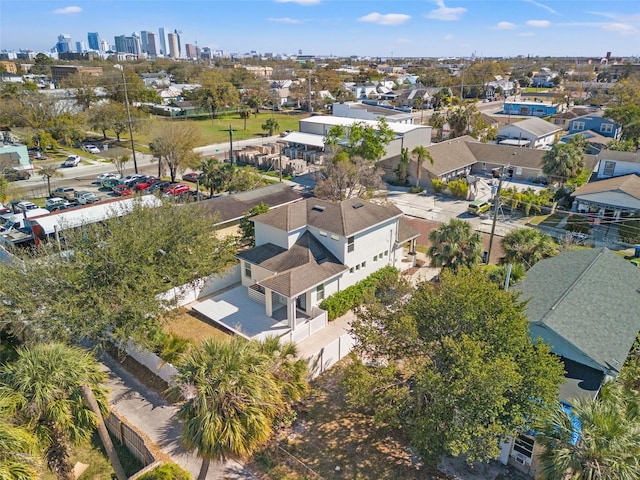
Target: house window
386, 253
247, 270
320, 291
351, 270
578, 126
484, 166
523, 449
350, 244
609, 167
364, 264
358, 267
322, 233
375, 258
334, 237
606, 128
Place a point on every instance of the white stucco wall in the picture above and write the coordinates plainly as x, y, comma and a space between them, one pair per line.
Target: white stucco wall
267, 234
621, 168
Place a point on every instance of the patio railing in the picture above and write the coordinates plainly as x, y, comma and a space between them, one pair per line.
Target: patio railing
255, 294
317, 322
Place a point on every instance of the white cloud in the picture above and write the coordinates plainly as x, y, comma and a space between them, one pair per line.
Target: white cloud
505, 26
67, 10
620, 28
446, 13
548, 9
388, 19
292, 21
300, 2
539, 23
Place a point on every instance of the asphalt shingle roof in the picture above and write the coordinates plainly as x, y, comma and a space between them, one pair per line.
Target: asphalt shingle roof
627, 184
450, 155
537, 126
585, 305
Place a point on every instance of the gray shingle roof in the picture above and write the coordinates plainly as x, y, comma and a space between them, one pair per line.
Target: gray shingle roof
619, 156
450, 155
345, 218
585, 305
306, 264
537, 126
628, 184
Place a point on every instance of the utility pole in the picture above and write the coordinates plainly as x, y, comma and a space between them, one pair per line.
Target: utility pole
309, 82
126, 102
496, 206
231, 144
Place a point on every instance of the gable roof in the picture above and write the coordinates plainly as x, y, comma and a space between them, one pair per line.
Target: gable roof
584, 304
536, 126
626, 184
632, 157
306, 264
450, 155
233, 207
345, 218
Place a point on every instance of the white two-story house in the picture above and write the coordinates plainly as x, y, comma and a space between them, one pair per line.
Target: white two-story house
311, 249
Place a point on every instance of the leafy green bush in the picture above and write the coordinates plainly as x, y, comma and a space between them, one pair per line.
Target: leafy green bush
169, 346
458, 188
414, 189
438, 185
168, 471
341, 302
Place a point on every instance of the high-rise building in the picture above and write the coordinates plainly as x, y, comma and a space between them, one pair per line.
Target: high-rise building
64, 43
144, 40
174, 50
80, 47
191, 50
94, 40
104, 46
121, 43
178, 33
133, 43
163, 41
152, 44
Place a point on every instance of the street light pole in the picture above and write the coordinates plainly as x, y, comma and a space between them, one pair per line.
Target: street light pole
126, 102
495, 214
230, 144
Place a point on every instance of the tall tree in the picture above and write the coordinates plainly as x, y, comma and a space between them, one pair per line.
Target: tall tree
563, 162
421, 154
110, 116
528, 246
270, 125
83, 87
173, 143
247, 226
607, 446
48, 172
47, 381
455, 367
234, 390
455, 245
18, 450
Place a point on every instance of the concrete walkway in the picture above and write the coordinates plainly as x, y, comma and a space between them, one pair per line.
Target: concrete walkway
154, 417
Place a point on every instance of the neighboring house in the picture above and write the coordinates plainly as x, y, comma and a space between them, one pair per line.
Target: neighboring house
596, 142
372, 111
416, 97
584, 305
531, 132
530, 109
308, 250
363, 91
562, 119
188, 109
544, 78
14, 155
500, 85
612, 198
596, 123
614, 164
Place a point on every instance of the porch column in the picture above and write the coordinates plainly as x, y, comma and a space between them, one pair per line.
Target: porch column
291, 312
268, 302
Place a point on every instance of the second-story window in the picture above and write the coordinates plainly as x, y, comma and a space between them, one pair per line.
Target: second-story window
247, 269
320, 292
350, 244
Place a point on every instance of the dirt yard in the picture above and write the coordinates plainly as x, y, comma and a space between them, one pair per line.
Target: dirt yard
191, 326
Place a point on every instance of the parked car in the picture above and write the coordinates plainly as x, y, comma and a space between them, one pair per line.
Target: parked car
14, 174
158, 186
128, 178
64, 192
24, 206
478, 207
85, 198
122, 190
177, 189
72, 161
104, 176
192, 177
109, 183
56, 203
144, 184
92, 149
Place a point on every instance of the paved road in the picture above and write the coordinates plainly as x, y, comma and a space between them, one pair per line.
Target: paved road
153, 416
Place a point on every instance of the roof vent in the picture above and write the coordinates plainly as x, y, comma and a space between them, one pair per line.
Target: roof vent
318, 208
358, 205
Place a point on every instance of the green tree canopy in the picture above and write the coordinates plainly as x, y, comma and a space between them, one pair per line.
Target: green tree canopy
173, 144
247, 226
528, 246
565, 161
451, 364
455, 245
234, 391
421, 153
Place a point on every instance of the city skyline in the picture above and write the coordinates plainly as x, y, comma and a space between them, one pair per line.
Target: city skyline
427, 28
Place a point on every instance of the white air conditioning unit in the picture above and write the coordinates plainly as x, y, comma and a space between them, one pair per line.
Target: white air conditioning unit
521, 459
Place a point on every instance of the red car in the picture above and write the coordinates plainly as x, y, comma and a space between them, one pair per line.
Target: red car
192, 177
146, 183
122, 190
177, 189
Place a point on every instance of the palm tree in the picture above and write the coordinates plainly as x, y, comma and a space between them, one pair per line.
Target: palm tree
564, 161
49, 171
421, 154
607, 445
18, 447
455, 245
46, 380
235, 390
528, 246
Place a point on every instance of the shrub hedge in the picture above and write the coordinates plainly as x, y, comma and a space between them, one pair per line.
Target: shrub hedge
341, 302
168, 471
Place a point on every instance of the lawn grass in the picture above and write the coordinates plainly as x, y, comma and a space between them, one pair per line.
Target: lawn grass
186, 324
553, 220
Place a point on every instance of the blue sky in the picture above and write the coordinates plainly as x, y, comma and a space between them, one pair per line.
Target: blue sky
430, 28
